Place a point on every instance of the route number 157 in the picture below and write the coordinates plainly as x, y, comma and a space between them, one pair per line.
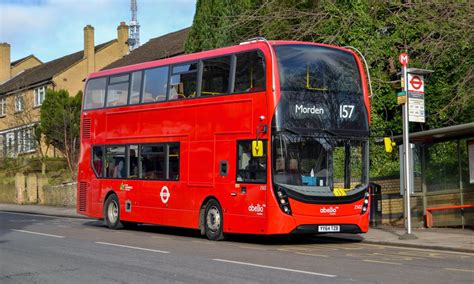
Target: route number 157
346, 111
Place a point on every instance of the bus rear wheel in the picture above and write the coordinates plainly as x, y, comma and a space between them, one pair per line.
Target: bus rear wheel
112, 212
213, 221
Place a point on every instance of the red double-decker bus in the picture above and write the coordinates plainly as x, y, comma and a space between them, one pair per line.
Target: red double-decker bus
267, 137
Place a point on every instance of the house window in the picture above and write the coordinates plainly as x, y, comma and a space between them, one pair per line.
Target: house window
10, 144
20, 140
3, 105
40, 94
19, 103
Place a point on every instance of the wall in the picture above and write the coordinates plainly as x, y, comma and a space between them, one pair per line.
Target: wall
34, 189
27, 116
72, 78
8, 193
60, 195
26, 64
392, 205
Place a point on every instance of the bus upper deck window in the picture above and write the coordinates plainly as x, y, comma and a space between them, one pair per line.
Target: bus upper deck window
155, 85
215, 76
250, 72
95, 94
135, 88
117, 90
183, 83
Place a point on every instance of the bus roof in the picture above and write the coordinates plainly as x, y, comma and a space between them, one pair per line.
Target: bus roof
247, 45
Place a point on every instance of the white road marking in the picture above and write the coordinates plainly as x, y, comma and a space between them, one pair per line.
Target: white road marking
274, 267
130, 247
160, 237
420, 249
41, 234
457, 269
251, 247
384, 262
46, 215
311, 254
204, 242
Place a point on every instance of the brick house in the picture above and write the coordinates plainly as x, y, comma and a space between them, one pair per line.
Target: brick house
23, 90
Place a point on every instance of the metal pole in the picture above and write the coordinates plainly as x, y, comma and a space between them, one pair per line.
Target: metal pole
407, 157
461, 193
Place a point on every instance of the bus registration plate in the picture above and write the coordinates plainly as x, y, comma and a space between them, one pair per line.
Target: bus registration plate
324, 229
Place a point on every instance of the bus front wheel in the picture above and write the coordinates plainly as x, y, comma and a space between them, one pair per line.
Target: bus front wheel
214, 221
112, 212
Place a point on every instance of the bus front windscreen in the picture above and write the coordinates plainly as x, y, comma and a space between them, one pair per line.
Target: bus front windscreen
319, 166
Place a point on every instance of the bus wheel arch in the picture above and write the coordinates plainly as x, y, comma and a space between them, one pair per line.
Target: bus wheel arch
211, 219
111, 211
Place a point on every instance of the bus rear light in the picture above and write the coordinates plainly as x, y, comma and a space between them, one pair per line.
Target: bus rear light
366, 203
283, 202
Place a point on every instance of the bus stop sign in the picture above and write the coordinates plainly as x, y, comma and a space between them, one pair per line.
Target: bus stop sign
416, 83
403, 58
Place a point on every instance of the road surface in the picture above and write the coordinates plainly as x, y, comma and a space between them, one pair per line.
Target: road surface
45, 249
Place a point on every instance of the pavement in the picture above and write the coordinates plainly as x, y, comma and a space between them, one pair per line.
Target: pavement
447, 239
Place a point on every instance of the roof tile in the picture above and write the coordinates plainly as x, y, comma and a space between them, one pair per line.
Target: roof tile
165, 46
44, 72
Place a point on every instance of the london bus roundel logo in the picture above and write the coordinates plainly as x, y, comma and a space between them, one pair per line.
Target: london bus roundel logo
165, 194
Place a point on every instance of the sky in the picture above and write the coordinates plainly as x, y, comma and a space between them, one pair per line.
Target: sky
50, 29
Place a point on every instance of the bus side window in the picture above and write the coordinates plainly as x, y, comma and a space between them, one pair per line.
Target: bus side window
183, 81
136, 87
251, 169
117, 90
153, 161
173, 161
155, 85
97, 160
115, 162
215, 76
250, 72
133, 162
95, 94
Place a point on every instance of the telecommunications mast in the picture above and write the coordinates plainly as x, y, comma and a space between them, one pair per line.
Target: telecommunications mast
134, 27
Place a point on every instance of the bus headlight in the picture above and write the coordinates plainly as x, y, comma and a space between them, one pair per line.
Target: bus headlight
282, 199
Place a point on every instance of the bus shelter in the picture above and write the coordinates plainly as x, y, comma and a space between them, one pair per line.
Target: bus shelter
443, 166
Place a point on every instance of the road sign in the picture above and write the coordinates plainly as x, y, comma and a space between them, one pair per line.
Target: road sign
403, 58
416, 84
416, 107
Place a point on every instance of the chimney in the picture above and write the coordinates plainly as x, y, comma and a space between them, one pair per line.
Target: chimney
122, 38
89, 49
4, 62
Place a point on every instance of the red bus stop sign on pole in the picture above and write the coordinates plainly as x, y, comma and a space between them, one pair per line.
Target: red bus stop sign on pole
416, 84
403, 58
